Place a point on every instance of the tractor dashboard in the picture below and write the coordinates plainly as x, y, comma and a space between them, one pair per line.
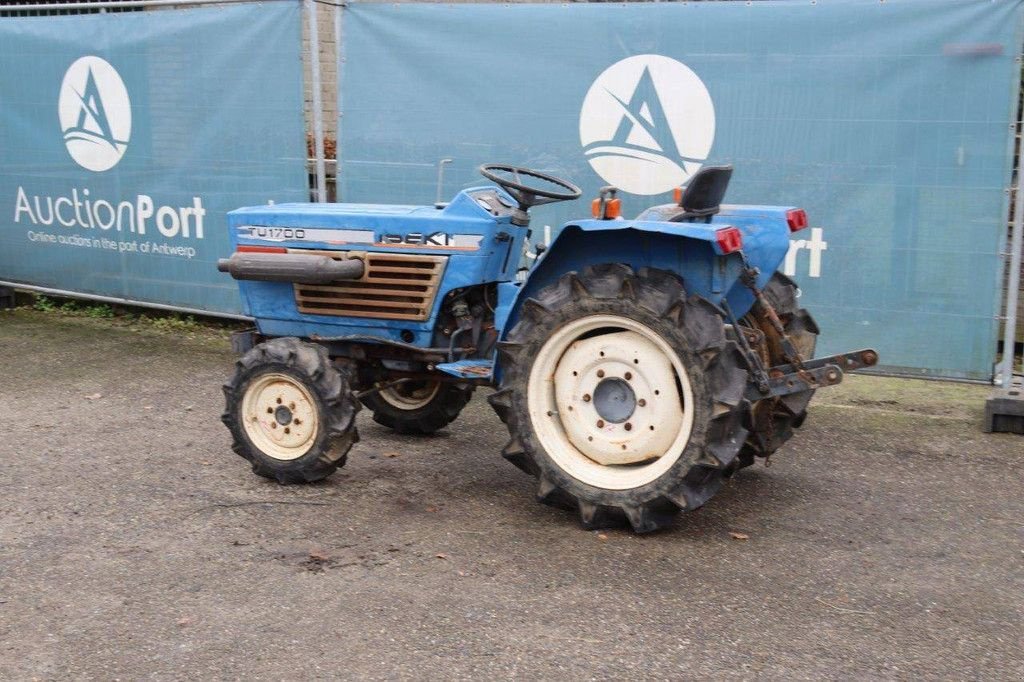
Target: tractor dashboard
492, 202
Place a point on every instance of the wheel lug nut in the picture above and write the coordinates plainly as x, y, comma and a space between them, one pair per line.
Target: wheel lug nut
641, 402
273, 425
600, 373
291, 406
629, 427
586, 397
287, 430
270, 410
296, 421
278, 401
600, 423
629, 376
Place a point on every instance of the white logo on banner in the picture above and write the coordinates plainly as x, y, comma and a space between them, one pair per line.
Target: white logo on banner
95, 114
647, 124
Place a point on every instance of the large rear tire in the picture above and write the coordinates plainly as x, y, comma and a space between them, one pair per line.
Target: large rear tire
418, 407
290, 411
622, 396
775, 419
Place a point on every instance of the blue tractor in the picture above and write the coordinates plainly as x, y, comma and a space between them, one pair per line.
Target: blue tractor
637, 364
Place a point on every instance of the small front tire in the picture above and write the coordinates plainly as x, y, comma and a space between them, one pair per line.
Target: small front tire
290, 411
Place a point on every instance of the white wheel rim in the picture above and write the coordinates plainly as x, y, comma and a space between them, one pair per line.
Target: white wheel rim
280, 416
410, 400
578, 437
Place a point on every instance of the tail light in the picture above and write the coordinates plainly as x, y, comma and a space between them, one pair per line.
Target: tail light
729, 239
796, 218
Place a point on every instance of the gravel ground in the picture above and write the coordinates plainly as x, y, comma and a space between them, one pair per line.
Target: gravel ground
883, 542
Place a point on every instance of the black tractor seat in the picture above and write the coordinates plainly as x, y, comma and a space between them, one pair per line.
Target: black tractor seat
701, 198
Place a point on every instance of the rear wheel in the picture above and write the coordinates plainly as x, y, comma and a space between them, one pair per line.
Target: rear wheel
418, 407
622, 396
290, 411
774, 419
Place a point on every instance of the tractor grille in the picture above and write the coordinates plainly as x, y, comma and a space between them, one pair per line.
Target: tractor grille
393, 287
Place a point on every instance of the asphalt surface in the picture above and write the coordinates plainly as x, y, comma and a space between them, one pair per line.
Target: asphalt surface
883, 542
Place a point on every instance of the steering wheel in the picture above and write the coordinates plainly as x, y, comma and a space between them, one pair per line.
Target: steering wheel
526, 195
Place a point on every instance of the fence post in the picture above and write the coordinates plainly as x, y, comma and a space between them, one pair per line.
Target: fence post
316, 104
1004, 410
338, 10
1005, 374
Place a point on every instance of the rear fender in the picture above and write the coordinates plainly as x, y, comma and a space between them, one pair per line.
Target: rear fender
689, 250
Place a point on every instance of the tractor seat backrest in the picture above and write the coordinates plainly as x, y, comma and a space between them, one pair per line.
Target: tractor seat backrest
702, 196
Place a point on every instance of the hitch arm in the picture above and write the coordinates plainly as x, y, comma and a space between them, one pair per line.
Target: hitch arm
816, 373
797, 374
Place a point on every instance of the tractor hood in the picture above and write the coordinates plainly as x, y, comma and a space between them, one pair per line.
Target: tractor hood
470, 222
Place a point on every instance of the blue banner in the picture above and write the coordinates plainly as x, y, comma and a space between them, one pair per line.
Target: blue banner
891, 123
126, 137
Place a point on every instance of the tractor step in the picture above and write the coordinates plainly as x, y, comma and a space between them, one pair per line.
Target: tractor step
468, 369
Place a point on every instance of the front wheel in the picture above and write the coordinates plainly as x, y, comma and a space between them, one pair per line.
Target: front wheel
622, 396
290, 411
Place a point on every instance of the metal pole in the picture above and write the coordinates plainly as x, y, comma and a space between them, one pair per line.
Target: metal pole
316, 104
440, 177
1005, 374
338, 9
